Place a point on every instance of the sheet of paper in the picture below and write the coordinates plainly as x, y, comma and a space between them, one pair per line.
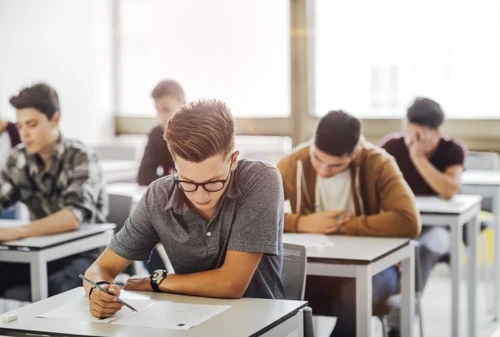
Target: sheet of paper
79, 311
171, 315
308, 240
151, 313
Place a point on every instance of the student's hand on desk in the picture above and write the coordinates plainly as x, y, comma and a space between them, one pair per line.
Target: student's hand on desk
9, 234
323, 222
138, 283
103, 305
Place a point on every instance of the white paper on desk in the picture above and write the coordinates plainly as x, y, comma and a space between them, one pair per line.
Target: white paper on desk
172, 315
79, 311
308, 240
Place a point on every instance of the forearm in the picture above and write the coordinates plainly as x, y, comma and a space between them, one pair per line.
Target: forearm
97, 273
291, 223
386, 224
61, 221
212, 283
443, 184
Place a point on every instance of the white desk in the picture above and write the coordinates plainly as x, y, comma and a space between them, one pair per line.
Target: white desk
462, 209
119, 170
37, 251
361, 258
487, 184
246, 317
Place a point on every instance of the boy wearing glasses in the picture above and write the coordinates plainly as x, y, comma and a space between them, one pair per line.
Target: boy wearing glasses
219, 219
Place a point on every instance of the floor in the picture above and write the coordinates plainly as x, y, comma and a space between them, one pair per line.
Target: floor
436, 305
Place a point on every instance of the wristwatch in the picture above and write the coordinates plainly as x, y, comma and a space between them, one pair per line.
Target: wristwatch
156, 278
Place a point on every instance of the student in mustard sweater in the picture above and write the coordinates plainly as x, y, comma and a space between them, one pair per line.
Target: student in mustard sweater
341, 184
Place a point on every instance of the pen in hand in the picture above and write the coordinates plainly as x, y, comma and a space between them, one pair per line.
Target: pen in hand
106, 291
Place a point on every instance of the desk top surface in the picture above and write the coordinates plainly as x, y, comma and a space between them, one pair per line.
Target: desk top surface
246, 317
347, 249
481, 177
457, 205
47, 241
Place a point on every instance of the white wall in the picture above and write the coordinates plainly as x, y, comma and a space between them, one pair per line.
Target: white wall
68, 45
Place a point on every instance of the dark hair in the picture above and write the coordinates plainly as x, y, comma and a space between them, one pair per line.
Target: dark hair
425, 112
39, 96
337, 133
169, 88
200, 130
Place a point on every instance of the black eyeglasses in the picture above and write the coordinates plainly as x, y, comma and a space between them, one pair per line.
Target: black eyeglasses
209, 186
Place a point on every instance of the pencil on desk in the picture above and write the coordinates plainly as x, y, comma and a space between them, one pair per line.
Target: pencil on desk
106, 291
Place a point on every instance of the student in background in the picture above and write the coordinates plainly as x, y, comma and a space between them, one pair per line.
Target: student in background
157, 161
58, 179
341, 184
431, 164
219, 219
9, 138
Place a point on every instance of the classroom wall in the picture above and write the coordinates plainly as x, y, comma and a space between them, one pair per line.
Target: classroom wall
68, 44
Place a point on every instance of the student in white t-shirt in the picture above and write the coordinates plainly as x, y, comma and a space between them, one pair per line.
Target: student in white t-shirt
341, 184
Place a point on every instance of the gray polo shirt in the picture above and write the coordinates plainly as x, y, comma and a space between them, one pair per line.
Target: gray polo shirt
249, 218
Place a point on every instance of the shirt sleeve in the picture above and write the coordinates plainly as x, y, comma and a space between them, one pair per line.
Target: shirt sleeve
390, 145
137, 237
258, 224
155, 154
454, 156
10, 181
84, 186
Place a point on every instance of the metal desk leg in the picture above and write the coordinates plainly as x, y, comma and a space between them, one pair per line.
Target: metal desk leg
38, 277
496, 255
408, 293
472, 275
456, 268
363, 301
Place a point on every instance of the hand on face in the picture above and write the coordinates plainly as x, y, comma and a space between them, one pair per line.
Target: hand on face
323, 222
421, 142
102, 305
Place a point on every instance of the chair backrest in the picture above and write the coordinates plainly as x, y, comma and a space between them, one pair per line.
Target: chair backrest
482, 161
120, 207
294, 271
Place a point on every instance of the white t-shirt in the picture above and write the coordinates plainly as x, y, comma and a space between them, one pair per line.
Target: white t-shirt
335, 193
5, 146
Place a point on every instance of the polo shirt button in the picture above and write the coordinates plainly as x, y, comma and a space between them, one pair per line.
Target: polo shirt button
209, 234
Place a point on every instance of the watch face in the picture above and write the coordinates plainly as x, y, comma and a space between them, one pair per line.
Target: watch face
158, 275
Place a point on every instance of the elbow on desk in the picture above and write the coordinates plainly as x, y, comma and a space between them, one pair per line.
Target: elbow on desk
447, 195
234, 289
412, 226
449, 192
73, 225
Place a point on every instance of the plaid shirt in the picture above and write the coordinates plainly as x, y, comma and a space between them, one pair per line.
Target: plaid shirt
73, 179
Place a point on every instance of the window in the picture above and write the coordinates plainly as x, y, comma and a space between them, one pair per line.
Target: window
373, 57
237, 51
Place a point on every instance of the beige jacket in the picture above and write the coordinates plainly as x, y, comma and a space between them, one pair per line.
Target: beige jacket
385, 205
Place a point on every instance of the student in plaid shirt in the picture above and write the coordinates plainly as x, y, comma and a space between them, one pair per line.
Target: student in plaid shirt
58, 179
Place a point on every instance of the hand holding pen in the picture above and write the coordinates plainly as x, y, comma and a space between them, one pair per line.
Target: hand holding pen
105, 302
